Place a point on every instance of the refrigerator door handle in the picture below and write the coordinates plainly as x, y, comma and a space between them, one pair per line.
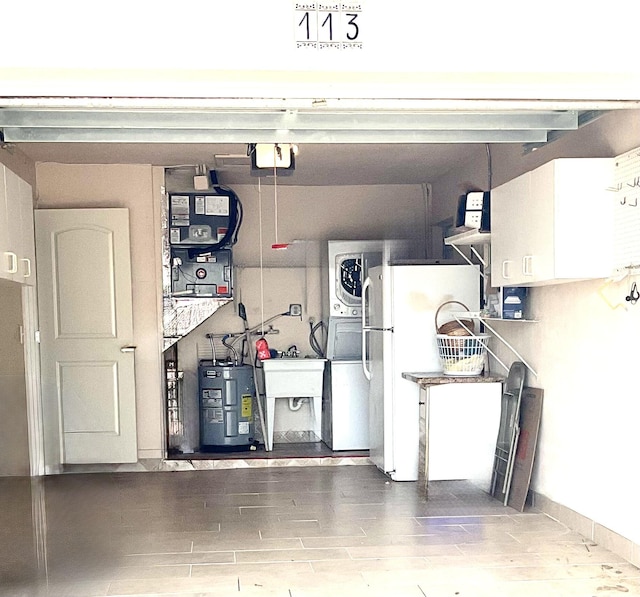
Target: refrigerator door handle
365, 369
365, 307
365, 329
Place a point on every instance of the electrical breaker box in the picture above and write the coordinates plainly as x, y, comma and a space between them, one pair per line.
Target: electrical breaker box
201, 230
199, 218
205, 275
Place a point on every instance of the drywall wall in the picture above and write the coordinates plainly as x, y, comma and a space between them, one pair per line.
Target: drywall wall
585, 352
320, 213
14, 456
18, 163
136, 188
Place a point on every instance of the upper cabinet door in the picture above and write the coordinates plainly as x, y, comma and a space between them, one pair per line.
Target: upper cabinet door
27, 258
17, 244
8, 254
538, 251
508, 221
583, 216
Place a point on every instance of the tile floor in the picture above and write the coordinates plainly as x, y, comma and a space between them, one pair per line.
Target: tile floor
287, 532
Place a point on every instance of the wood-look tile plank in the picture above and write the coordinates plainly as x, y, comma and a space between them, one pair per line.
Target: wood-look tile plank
253, 572
202, 557
353, 530
238, 544
291, 555
396, 564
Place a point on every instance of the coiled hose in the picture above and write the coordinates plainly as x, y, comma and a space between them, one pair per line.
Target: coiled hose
313, 341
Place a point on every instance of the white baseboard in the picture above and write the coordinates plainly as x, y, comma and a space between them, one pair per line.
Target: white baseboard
589, 528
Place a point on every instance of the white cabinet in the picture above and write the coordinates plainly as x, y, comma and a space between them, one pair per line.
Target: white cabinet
17, 245
553, 224
28, 245
8, 257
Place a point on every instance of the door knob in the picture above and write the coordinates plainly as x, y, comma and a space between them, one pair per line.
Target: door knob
128, 349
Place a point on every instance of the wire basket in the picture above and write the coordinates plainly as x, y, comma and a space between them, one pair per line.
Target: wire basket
462, 355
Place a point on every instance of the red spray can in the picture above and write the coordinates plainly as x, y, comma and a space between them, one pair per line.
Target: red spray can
262, 349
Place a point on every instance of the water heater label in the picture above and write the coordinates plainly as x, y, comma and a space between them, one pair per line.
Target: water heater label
246, 407
216, 415
243, 427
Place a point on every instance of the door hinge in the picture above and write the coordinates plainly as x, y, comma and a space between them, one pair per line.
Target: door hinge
36, 336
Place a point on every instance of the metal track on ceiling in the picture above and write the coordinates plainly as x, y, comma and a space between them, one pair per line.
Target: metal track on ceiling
255, 120
172, 126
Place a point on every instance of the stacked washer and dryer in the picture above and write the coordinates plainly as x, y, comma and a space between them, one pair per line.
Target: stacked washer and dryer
345, 403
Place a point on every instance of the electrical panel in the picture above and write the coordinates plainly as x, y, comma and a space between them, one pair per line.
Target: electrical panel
202, 228
199, 218
206, 275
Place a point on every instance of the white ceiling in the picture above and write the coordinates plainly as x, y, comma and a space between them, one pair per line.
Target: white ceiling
316, 164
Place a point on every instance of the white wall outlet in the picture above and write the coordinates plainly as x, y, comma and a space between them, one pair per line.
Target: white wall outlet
295, 310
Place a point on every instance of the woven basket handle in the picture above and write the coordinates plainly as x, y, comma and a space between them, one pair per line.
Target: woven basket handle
444, 304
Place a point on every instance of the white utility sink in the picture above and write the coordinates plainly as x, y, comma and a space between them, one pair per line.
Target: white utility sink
293, 378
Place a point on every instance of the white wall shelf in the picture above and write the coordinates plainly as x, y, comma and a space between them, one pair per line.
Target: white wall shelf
469, 315
469, 238
487, 318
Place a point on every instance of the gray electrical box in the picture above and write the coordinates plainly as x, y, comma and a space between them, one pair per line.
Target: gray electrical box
202, 229
205, 275
199, 218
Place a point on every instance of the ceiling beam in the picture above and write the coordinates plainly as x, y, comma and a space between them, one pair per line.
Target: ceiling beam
194, 136
288, 120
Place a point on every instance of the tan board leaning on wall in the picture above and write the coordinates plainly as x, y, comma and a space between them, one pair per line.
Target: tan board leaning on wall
530, 415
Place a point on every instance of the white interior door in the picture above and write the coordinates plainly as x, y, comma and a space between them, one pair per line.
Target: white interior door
84, 293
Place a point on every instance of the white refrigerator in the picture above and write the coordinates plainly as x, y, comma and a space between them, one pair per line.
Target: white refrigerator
398, 335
